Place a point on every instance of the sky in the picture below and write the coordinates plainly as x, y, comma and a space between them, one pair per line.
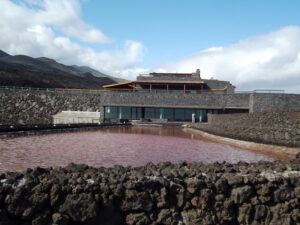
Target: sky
254, 44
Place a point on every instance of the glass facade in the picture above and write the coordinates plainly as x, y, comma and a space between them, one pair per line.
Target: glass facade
114, 113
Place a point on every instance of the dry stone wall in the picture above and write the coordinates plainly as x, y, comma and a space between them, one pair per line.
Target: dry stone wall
271, 127
265, 102
165, 194
38, 107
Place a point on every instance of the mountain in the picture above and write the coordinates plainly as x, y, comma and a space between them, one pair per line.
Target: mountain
86, 69
22, 70
96, 73
2, 54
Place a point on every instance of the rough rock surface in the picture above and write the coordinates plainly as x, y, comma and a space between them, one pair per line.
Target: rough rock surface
270, 127
185, 193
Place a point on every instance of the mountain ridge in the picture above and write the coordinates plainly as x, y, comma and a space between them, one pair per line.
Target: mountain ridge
3, 54
23, 70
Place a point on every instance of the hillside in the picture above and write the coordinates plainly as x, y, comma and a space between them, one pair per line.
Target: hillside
25, 71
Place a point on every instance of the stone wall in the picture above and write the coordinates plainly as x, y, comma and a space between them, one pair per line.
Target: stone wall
165, 194
277, 127
210, 101
266, 101
38, 106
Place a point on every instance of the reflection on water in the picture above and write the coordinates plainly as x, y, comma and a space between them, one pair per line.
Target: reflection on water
126, 146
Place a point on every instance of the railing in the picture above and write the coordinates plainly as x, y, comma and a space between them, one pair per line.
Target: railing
139, 91
187, 91
268, 91
261, 91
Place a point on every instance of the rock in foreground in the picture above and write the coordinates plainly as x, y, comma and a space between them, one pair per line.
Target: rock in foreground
186, 193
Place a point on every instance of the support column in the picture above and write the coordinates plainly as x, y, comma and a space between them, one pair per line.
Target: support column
167, 88
184, 88
150, 87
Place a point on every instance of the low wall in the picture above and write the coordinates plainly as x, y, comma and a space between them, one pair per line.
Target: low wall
279, 128
261, 193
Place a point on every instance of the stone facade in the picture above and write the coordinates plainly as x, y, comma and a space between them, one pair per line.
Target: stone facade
270, 127
165, 194
205, 101
38, 106
263, 102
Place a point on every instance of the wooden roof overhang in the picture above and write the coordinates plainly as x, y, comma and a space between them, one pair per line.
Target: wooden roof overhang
132, 84
122, 85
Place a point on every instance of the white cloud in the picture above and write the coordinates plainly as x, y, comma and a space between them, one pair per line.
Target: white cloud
53, 28
30, 26
270, 61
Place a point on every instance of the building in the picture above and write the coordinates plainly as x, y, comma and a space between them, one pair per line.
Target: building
171, 84
174, 82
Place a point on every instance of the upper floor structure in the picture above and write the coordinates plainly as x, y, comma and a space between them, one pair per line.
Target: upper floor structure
174, 82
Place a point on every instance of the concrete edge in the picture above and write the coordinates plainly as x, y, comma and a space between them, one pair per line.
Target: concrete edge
280, 152
20, 133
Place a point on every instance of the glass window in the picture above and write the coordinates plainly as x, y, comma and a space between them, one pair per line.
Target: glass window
111, 112
201, 115
188, 114
167, 113
179, 114
134, 113
125, 113
149, 113
138, 113
157, 113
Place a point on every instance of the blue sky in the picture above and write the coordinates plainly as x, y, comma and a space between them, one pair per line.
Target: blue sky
172, 29
254, 44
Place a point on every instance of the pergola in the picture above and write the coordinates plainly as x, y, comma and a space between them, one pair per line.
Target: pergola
151, 85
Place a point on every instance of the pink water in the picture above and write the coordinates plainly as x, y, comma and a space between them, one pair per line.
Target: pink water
125, 146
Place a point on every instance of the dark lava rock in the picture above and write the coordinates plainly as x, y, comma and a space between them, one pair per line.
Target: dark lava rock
137, 201
80, 208
186, 193
260, 212
60, 219
283, 194
222, 186
137, 219
241, 194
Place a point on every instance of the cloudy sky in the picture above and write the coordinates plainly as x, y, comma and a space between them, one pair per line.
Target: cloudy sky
254, 44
